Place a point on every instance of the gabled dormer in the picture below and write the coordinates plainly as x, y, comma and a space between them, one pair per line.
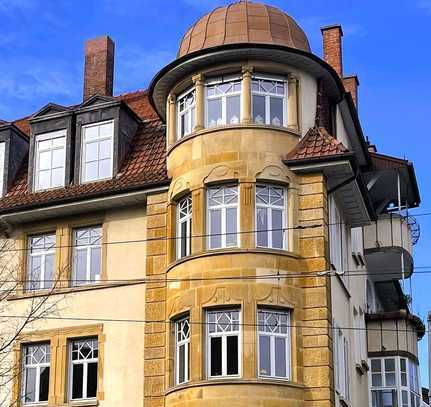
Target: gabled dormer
13, 150
105, 127
51, 148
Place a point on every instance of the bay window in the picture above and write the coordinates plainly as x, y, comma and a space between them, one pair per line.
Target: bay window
182, 350
223, 101
50, 160
184, 227
87, 247
269, 100
83, 366
271, 219
273, 343
222, 204
40, 262
35, 373
186, 109
394, 382
223, 343
97, 151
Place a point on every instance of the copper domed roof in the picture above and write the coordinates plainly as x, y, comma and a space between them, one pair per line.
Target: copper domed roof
244, 22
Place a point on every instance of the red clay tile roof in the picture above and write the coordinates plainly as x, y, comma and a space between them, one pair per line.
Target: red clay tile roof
144, 165
317, 143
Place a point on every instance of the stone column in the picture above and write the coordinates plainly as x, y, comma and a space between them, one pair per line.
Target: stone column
199, 82
246, 95
292, 113
171, 113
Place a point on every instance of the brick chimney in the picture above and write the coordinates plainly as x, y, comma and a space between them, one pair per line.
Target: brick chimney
351, 83
99, 67
332, 49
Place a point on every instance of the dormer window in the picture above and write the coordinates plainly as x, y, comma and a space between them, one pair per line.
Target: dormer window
269, 101
223, 101
50, 159
97, 151
186, 106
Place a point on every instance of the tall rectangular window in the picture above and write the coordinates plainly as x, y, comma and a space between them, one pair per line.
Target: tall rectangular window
182, 350
223, 101
338, 237
184, 227
2, 166
87, 248
271, 219
273, 343
35, 373
222, 216
83, 365
97, 151
40, 262
223, 343
50, 160
186, 110
269, 101
341, 362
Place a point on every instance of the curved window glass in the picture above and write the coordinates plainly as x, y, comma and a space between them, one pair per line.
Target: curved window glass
223, 101
186, 108
269, 101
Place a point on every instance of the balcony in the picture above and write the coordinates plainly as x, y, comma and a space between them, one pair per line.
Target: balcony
388, 246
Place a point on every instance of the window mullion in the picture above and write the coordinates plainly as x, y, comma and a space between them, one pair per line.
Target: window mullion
269, 226
223, 226
42, 281
267, 112
272, 353
37, 384
84, 380
223, 109
88, 265
224, 355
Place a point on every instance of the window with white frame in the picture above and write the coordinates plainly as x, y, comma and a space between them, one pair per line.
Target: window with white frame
223, 101
338, 239
40, 262
269, 100
87, 248
35, 373
2, 166
49, 160
341, 363
182, 350
184, 227
360, 335
273, 343
223, 343
222, 216
271, 219
97, 151
394, 382
83, 366
186, 112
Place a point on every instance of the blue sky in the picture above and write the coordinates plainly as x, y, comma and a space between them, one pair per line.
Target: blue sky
387, 43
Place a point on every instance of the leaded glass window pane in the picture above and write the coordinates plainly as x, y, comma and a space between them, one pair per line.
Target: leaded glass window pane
182, 358
186, 110
184, 227
36, 368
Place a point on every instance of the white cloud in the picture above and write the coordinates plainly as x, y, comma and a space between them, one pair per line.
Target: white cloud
425, 5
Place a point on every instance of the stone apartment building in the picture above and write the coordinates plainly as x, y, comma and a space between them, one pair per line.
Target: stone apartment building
226, 237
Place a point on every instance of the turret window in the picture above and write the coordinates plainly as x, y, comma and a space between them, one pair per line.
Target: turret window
269, 101
223, 216
223, 334
97, 151
271, 217
223, 101
184, 227
186, 107
50, 159
182, 352
273, 343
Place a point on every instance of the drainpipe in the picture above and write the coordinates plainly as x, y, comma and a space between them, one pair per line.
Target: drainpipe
401, 226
